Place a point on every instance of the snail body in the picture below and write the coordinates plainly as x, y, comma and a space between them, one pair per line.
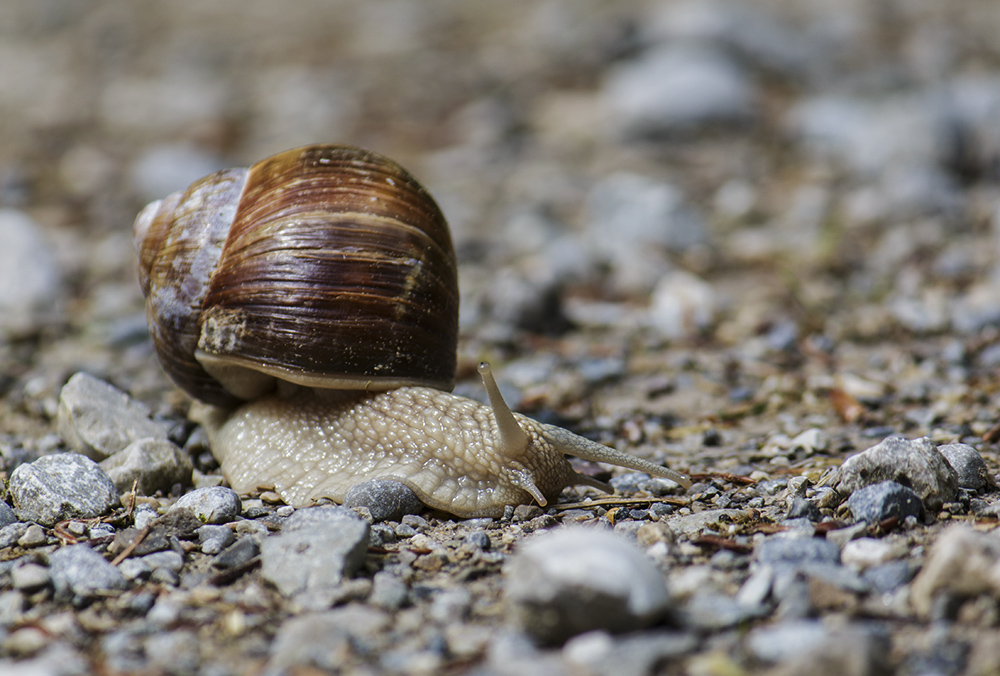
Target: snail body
311, 301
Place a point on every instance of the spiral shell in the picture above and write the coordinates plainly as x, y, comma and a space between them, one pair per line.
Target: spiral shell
326, 266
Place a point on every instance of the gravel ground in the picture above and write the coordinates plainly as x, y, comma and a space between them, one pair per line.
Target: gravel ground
756, 241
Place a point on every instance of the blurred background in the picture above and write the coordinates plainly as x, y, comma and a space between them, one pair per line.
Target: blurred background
739, 173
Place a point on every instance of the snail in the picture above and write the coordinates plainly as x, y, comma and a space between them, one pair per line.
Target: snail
310, 302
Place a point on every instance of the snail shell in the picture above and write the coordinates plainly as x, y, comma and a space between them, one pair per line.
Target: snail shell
311, 301
326, 266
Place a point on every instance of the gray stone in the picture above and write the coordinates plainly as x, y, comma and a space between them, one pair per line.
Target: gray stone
872, 137
388, 591
885, 500
796, 550
600, 654
29, 577
779, 642
7, 515
99, 420
670, 89
9, 535
33, 537
711, 611
30, 282
627, 212
802, 508
915, 463
59, 487
682, 304
214, 505
214, 539
323, 640
172, 652
153, 464
570, 580
135, 569
962, 562
240, 553
143, 516
868, 651
165, 560
694, 524
387, 500
78, 571
969, 466
757, 35
889, 577
317, 548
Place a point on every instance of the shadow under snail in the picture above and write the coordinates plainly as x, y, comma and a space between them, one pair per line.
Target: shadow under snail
311, 303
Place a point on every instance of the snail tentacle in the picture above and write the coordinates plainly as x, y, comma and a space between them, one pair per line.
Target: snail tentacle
566, 442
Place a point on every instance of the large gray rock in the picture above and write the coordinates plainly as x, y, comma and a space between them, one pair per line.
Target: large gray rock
571, 580
915, 463
316, 549
59, 487
153, 464
79, 571
99, 420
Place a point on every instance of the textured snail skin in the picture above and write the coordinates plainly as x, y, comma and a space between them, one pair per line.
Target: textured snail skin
314, 445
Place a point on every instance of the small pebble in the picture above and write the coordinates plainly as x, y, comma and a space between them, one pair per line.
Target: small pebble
968, 465
135, 569
866, 553
387, 500
797, 550
7, 515
237, 554
478, 539
33, 537
388, 591
213, 505
802, 508
214, 539
166, 560
9, 535
29, 577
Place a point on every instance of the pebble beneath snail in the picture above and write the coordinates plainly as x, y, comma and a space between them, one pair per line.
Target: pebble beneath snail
311, 303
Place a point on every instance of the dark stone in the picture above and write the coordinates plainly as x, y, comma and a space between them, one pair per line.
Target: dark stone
387, 500
885, 500
238, 554
801, 508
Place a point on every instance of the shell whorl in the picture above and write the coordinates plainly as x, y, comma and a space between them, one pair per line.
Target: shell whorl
326, 265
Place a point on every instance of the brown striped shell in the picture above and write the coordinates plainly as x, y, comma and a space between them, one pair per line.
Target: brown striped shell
327, 266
